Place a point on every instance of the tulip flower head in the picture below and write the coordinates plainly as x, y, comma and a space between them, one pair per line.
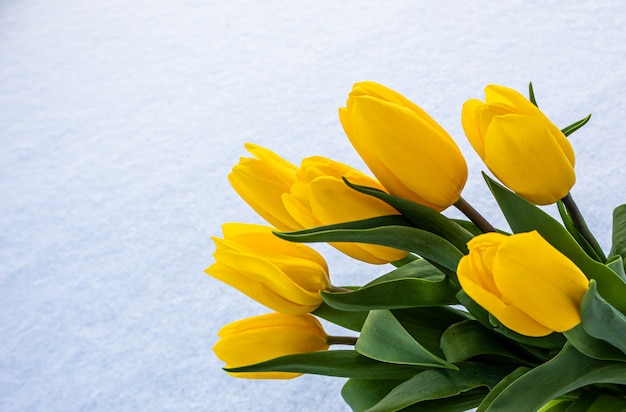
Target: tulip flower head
523, 281
260, 338
284, 276
320, 197
261, 181
408, 152
520, 145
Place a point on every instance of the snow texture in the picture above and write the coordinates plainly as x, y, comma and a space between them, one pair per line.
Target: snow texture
119, 122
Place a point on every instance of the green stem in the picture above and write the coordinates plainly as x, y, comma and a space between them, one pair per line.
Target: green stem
337, 289
474, 216
581, 225
341, 340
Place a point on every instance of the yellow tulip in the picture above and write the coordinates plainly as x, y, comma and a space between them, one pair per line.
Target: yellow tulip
523, 281
260, 338
262, 181
408, 152
320, 197
284, 276
520, 145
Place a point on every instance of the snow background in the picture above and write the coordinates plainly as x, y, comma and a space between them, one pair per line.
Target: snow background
119, 122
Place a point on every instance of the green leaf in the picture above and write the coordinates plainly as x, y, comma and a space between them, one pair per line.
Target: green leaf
531, 94
439, 383
552, 341
351, 320
416, 284
477, 311
605, 403
567, 371
616, 264
361, 394
523, 216
502, 385
385, 338
427, 245
468, 339
571, 228
575, 126
601, 320
593, 347
619, 231
416, 269
422, 217
341, 363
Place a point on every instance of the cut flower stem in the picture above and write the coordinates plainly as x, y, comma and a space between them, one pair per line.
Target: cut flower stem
474, 216
341, 340
581, 225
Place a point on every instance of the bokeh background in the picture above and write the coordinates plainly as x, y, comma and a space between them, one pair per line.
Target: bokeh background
119, 122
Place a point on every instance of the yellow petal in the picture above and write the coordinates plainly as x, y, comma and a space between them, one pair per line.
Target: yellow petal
332, 201
515, 103
283, 169
260, 240
261, 182
317, 166
265, 337
407, 155
523, 154
510, 316
471, 126
548, 287
369, 88
257, 291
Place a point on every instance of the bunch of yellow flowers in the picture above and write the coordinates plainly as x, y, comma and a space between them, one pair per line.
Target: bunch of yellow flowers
532, 318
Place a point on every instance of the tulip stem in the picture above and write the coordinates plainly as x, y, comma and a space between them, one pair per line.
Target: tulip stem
474, 216
338, 289
341, 340
581, 225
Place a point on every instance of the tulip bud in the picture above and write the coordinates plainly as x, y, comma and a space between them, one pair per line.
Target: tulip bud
408, 152
262, 181
260, 338
282, 275
524, 282
520, 145
320, 197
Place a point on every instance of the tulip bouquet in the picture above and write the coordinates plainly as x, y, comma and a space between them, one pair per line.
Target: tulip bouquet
527, 318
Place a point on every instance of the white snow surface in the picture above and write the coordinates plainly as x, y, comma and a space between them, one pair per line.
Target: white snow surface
119, 122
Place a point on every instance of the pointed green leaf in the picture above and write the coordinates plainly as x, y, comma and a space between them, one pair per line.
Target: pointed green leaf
601, 320
341, 363
605, 403
593, 347
531, 94
575, 126
477, 311
571, 228
434, 384
416, 269
351, 320
362, 394
523, 216
468, 339
552, 341
422, 217
616, 264
619, 231
502, 385
427, 245
567, 371
384, 338
395, 294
